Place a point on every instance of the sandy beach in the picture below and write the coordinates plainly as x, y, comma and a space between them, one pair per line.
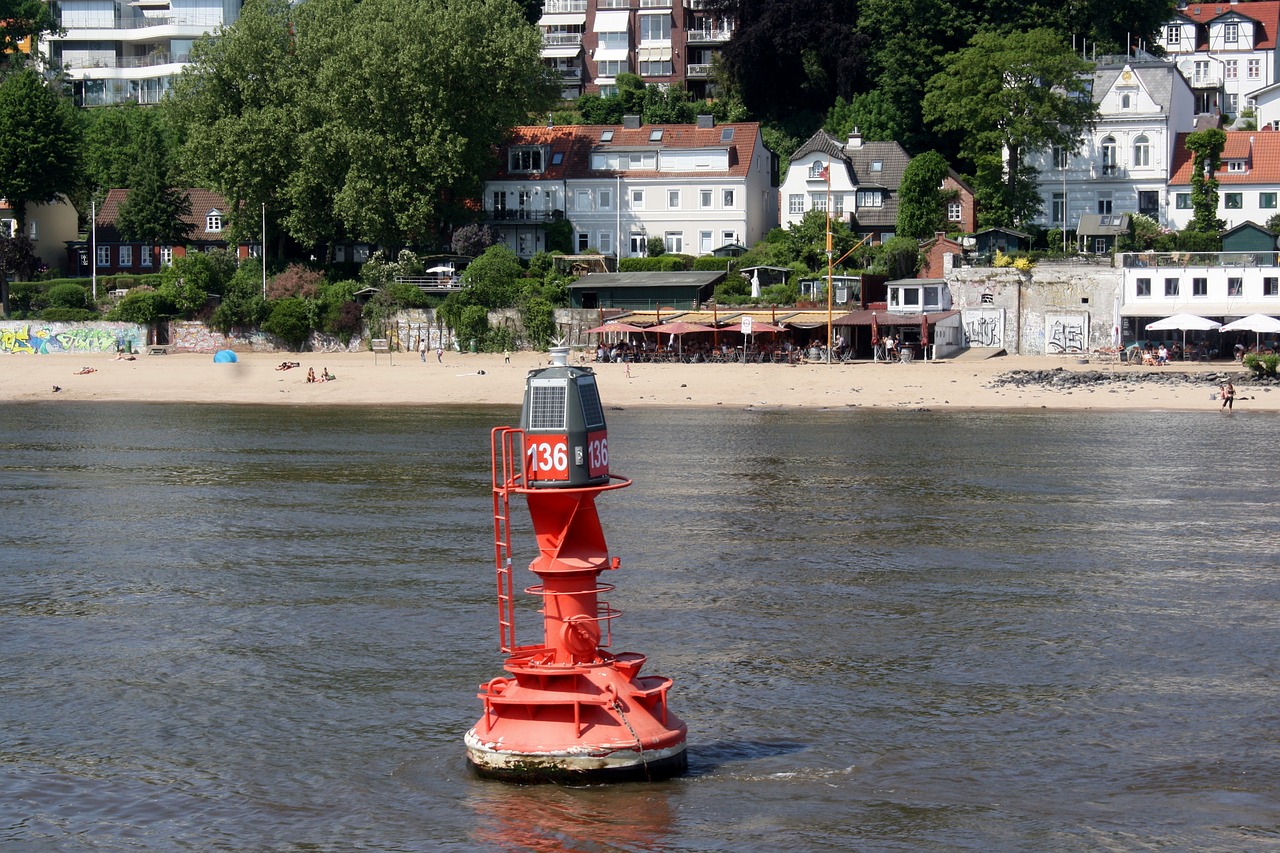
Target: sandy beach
463, 378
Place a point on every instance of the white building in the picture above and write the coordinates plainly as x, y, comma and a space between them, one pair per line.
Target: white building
697, 187
1126, 160
861, 185
1225, 49
1248, 181
115, 51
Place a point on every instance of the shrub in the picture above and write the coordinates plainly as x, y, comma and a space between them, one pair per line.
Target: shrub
68, 295
1262, 365
290, 320
68, 315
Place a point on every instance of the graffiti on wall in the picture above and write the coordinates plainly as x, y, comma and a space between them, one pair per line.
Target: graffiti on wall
49, 338
1066, 333
983, 327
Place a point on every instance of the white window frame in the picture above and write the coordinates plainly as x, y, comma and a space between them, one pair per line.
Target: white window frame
145, 255
1142, 152
673, 199
637, 199
955, 211
674, 241
705, 197
795, 204
104, 256
704, 242
126, 256
604, 242
604, 198
213, 222
727, 198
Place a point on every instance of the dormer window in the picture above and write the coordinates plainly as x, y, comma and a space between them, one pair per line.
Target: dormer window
655, 135
213, 220
1235, 166
877, 165
526, 158
1126, 101
1173, 36
1230, 33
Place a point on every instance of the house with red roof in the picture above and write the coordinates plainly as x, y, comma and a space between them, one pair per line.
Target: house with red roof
208, 230
1248, 181
1226, 50
696, 187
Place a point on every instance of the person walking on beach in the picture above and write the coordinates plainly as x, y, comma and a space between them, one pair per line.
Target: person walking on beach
1228, 395
440, 355
422, 350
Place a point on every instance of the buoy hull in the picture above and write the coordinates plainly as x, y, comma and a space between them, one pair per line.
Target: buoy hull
581, 766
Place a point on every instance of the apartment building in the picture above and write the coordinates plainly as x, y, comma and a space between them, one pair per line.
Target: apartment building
113, 51
696, 187
667, 42
1226, 51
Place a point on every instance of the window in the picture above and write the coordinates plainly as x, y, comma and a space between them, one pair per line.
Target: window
1267, 201
1182, 201
1235, 166
1271, 287
955, 211
655, 28
1058, 208
1144, 287
1232, 201
612, 67
1142, 152
1233, 103
1173, 36
837, 204
655, 68
704, 242
606, 136
655, 135
1059, 157
584, 241
1200, 72
638, 244
877, 165
582, 200
817, 201
1170, 287
816, 169
1126, 101
1254, 69
1104, 203
126, 256
526, 159
166, 255
726, 199
614, 40
1235, 287
213, 221
637, 199
673, 199
1199, 287
1230, 33
674, 241
104, 256
557, 158
1231, 69
726, 134
144, 256
9, 227
868, 198
795, 204
704, 198
604, 242
33, 230
727, 237
605, 199
1109, 156
339, 254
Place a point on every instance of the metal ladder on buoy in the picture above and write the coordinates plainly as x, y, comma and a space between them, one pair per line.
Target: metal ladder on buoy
508, 476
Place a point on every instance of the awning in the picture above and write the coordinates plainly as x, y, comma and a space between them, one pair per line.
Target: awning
611, 54
655, 54
561, 52
862, 317
563, 19
1204, 309
612, 22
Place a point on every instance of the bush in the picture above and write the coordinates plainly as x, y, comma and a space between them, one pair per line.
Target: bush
662, 263
68, 315
290, 320
710, 263
1262, 365
68, 295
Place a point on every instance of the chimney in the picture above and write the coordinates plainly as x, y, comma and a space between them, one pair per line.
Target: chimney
706, 121
631, 122
855, 139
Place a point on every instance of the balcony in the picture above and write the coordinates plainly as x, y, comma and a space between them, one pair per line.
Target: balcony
559, 7
517, 215
655, 4
709, 35
206, 22
77, 63
613, 4
698, 71
570, 75
562, 39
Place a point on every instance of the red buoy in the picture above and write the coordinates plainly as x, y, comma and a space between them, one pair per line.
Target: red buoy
570, 710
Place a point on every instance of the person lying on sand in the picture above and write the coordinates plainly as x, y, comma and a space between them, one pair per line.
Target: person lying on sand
288, 365
122, 356
85, 370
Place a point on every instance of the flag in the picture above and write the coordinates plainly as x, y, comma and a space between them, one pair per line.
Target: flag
825, 172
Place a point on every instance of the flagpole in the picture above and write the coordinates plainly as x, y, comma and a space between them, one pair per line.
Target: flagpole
829, 253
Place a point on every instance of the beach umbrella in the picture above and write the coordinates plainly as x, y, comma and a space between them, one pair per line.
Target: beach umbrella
678, 330
224, 356
875, 330
756, 326
924, 332
755, 285
1258, 323
1184, 322
612, 326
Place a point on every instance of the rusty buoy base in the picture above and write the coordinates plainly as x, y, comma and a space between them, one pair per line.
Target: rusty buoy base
575, 768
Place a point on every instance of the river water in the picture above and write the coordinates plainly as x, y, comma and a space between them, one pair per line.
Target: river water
253, 628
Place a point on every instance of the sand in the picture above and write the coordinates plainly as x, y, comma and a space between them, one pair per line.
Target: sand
462, 378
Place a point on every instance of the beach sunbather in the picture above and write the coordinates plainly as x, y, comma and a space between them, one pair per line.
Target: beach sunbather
85, 370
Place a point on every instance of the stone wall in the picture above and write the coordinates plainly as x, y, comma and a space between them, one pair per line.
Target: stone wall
1059, 308
37, 337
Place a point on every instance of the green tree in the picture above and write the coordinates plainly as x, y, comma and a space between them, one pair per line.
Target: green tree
900, 257
359, 118
142, 305
807, 240
39, 143
153, 210
187, 282
1011, 93
492, 280
242, 305
19, 20
1206, 152
922, 203
113, 143
539, 322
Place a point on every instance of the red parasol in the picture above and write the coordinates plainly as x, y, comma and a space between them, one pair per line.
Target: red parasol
875, 330
924, 331
756, 326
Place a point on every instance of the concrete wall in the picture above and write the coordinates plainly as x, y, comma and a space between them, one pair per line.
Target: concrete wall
37, 337
1058, 308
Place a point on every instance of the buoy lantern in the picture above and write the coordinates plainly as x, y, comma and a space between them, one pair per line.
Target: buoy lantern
570, 710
